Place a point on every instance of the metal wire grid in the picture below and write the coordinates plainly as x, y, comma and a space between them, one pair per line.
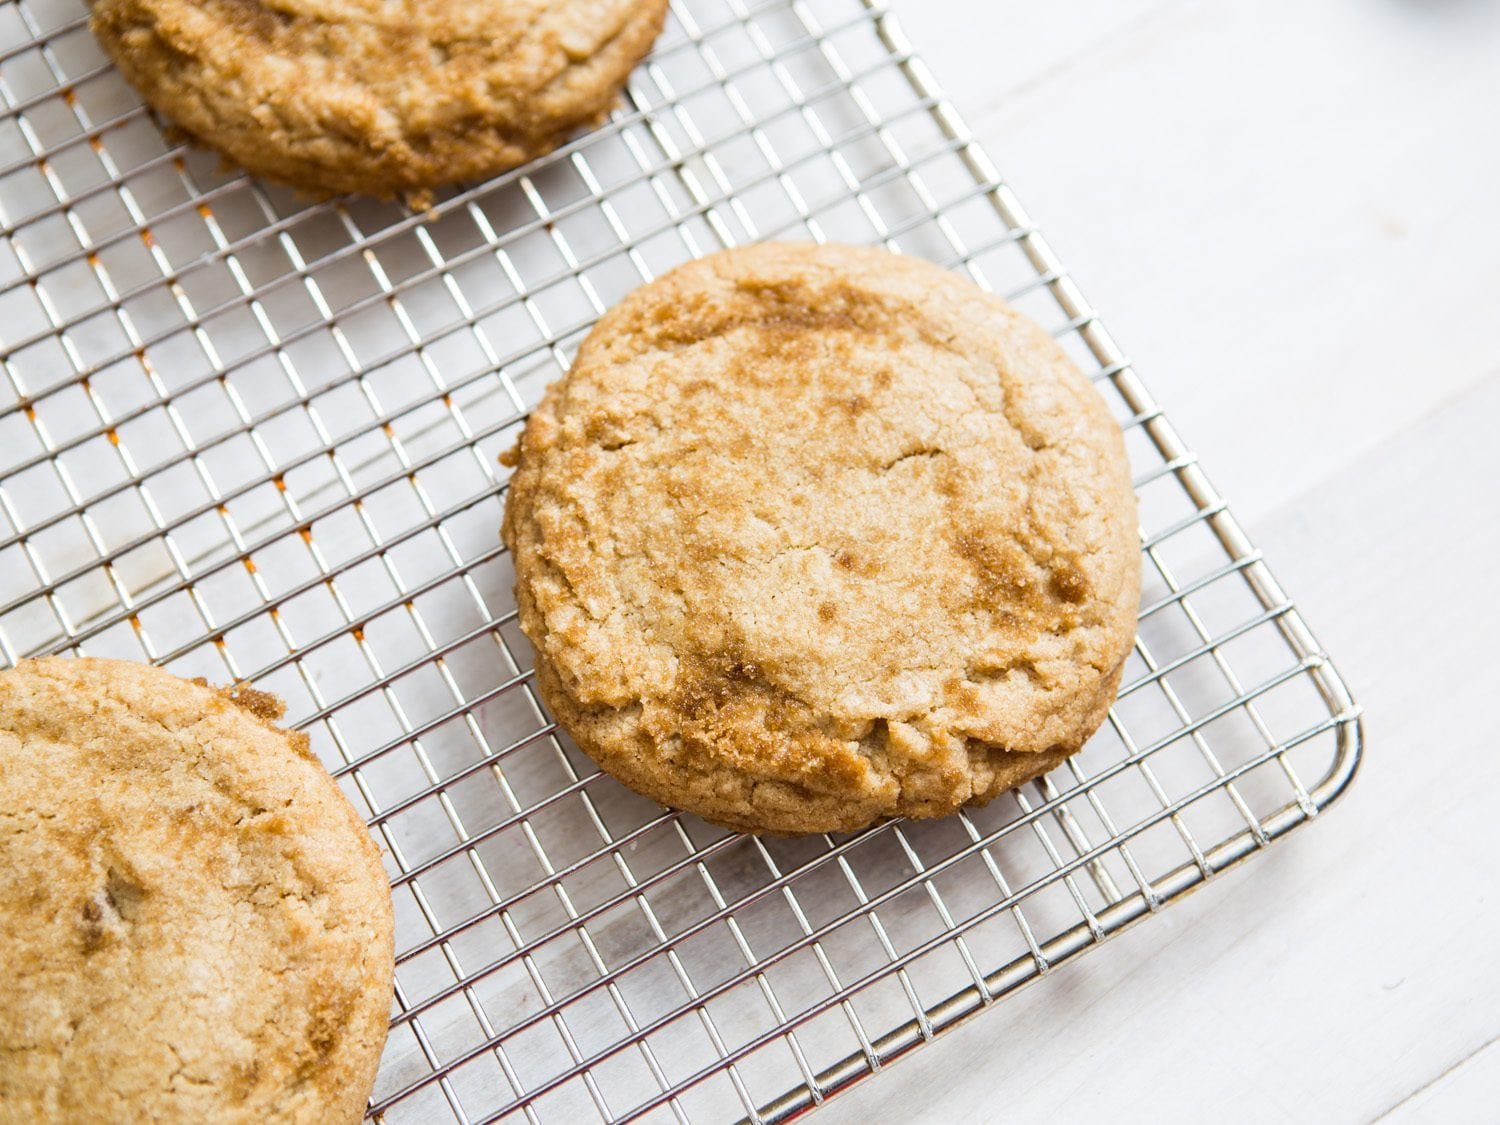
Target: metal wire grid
253, 438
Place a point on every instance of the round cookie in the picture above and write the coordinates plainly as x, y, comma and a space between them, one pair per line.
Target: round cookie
811, 536
194, 922
385, 97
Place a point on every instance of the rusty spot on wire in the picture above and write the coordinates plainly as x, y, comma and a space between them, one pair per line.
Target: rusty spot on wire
306, 533
113, 435
280, 482
135, 623
205, 211
69, 96
249, 564
358, 633
147, 237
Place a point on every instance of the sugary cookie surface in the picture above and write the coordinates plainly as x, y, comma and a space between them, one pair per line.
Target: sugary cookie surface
194, 923
384, 97
812, 536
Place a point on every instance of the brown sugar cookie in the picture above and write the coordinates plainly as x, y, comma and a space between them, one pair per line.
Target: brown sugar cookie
810, 536
385, 97
194, 922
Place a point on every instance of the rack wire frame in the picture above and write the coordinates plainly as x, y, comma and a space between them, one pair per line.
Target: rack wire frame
255, 438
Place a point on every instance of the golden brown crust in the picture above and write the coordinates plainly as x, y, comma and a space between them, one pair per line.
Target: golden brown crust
194, 922
385, 97
812, 536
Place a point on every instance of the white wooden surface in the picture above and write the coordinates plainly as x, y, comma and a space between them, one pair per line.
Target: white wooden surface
1289, 214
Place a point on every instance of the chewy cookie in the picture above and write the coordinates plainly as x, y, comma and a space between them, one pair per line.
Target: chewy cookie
385, 97
194, 923
810, 536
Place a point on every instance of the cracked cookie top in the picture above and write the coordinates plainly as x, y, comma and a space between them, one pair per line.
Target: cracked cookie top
194, 923
386, 97
811, 536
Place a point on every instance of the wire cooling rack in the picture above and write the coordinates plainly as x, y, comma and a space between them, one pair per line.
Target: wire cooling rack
254, 438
